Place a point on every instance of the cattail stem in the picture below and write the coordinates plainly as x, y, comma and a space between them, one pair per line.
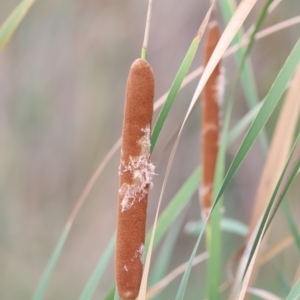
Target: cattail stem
136, 172
211, 119
212, 94
147, 30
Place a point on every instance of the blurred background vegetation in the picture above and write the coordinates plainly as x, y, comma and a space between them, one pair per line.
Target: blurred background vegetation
62, 83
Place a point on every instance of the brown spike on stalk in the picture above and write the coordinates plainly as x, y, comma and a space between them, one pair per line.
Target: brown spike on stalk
136, 172
212, 94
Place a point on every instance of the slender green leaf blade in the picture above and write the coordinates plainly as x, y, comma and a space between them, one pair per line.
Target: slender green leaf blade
91, 286
272, 207
214, 260
247, 72
247, 77
292, 176
257, 26
292, 224
41, 289
162, 262
13, 21
214, 249
183, 283
264, 113
187, 61
116, 297
111, 293
295, 292
177, 204
213, 230
243, 123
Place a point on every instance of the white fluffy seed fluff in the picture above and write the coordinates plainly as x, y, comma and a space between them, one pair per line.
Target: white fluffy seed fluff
220, 90
209, 127
142, 171
220, 86
139, 254
203, 191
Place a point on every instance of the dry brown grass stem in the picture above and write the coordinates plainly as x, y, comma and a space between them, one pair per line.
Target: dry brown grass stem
276, 249
263, 294
277, 156
147, 28
157, 288
273, 5
135, 173
279, 150
91, 183
164, 282
264, 33
285, 179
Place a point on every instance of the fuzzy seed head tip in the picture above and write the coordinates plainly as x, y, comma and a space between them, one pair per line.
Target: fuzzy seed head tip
140, 63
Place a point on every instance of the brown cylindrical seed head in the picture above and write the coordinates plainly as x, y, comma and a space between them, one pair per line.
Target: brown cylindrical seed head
210, 120
136, 172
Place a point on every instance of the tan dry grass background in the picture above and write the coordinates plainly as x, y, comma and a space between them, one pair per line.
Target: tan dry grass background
62, 83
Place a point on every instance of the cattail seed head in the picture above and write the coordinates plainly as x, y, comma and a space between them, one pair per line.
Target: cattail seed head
136, 172
211, 119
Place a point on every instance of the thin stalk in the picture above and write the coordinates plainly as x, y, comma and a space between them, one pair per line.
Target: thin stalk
147, 30
210, 131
